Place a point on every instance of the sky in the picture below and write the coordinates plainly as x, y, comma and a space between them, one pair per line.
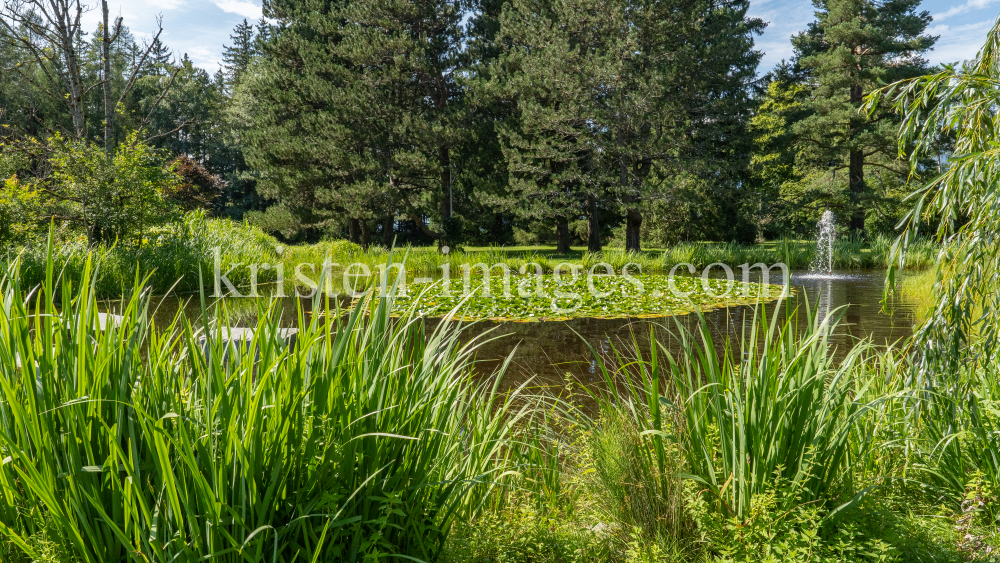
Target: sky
201, 28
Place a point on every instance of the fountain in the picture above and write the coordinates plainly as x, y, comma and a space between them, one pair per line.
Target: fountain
823, 263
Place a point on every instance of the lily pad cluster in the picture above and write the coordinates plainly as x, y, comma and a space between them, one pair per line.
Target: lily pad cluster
548, 298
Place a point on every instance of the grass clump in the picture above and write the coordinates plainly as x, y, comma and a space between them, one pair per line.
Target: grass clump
121, 442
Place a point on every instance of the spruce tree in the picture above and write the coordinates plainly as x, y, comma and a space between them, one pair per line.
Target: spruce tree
354, 104
843, 55
236, 58
159, 54
605, 93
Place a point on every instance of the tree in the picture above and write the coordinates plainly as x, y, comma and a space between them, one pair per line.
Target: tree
844, 54
607, 93
960, 204
196, 188
159, 54
54, 60
115, 198
773, 167
236, 58
357, 98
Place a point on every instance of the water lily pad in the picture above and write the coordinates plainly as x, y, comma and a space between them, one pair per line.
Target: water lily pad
549, 298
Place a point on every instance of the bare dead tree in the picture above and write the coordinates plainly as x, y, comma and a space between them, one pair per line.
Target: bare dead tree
107, 37
49, 34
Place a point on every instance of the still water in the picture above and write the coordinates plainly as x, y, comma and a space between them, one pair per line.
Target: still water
547, 351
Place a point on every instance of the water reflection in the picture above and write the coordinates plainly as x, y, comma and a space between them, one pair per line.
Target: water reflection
550, 350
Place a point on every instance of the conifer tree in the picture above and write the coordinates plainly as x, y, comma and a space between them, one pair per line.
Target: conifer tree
607, 92
159, 55
236, 58
852, 45
354, 103
563, 57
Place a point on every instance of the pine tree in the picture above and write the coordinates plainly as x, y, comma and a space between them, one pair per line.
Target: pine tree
852, 45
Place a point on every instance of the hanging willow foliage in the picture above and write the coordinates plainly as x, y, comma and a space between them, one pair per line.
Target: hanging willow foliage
962, 203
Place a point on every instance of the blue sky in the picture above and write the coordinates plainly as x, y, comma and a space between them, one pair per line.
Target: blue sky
201, 27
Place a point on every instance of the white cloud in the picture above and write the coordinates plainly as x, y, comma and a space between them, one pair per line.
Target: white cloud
962, 8
204, 57
958, 42
168, 4
245, 8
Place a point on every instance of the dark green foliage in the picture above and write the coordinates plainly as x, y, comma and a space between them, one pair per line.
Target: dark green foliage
236, 58
351, 111
612, 103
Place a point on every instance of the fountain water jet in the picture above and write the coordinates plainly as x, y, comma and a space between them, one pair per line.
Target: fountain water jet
824, 244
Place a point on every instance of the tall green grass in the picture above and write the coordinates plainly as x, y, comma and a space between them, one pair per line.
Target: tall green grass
772, 407
169, 259
367, 438
775, 407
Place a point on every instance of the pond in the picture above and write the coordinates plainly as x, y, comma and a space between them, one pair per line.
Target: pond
546, 351
550, 350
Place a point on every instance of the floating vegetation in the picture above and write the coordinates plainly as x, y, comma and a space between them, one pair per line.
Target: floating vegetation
533, 298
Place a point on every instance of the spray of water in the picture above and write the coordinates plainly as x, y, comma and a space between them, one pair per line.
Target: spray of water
824, 244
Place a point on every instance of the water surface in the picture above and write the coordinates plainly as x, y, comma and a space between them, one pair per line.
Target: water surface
548, 351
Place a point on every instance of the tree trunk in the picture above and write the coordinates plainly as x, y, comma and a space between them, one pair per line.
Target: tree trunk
562, 235
446, 194
593, 226
417, 219
388, 234
66, 23
366, 235
633, 226
353, 230
856, 172
109, 108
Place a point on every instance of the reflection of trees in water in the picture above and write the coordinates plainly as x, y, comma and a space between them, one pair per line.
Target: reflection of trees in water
550, 350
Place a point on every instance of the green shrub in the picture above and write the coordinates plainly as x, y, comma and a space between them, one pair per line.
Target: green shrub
523, 534
780, 527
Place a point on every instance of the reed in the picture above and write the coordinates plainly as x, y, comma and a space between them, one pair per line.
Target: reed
366, 438
775, 407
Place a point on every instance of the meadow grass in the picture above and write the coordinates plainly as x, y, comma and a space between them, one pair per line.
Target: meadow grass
172, 257
848, 254
125, 442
